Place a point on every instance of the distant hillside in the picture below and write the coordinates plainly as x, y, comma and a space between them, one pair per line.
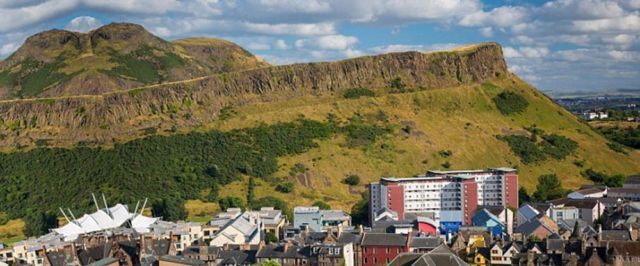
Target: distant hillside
114, 57
293, 132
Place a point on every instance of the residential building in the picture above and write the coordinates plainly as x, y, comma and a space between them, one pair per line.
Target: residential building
492, 223
382, 248
632, 194
444, 191
632, 182
592, 192
441, 255
317, 220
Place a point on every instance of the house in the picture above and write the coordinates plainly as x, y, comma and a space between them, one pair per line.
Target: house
441, 255
486, 219
632, 194
526, 212
501, 254
589, 210
271, 220
592, 192
539, 227
317, 219
632, 182
382, 248
168, 260
286, 254
427, 225
240, 230
505, 215
564, 213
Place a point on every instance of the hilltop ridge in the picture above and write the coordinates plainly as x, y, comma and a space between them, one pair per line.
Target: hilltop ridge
116, 115
110, 58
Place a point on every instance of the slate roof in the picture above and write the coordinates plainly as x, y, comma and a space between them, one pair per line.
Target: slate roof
441, 255
181, 260
237, 257
425, 242
626, 248
282, 251
382, 239
528, 211
582, 203
58, 258
103, 262
608, 235
634, 179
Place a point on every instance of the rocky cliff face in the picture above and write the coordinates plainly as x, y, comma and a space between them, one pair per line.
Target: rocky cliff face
123, 114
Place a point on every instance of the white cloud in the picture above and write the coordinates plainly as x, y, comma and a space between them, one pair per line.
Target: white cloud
500, 17
392, 48
8, 48
335, 42
83, 24
526, 52
281, 44
486, 32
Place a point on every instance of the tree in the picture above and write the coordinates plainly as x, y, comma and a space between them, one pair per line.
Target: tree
38, 223
270, 237
322, 205
523, 195
285, 187
549, 188
170, 209
231, 202
360, 211
270, 263
352, 180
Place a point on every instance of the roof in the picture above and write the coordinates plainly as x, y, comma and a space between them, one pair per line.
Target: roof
528, 212
441, 255
103, 219
623, 190
280, 250
181, 260
383, 239
582, 203
634, 179
621, 235
103, 262
334, 215
425, 242
405, 259
237, 257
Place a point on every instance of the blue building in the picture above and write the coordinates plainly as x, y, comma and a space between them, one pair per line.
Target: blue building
316, 219
486, 219
450, 222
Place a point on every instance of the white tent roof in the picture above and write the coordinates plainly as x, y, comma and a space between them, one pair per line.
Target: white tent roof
103, 219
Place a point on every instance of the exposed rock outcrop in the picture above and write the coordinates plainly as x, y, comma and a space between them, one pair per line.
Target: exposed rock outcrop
102, 118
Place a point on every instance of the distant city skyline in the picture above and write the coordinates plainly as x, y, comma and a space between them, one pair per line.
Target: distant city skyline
561, 45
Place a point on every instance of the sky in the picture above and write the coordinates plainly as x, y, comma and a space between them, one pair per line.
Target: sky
559, 45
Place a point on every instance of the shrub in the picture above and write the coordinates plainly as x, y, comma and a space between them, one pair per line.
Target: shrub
356, 93
558, 146
38, 223
170, 208
322, 205
614, 146
510, 103
445, 153
549, 188
524, 148
351, 180
446, 165
285, 187
603, 178
629, 137
230, 202
397, 86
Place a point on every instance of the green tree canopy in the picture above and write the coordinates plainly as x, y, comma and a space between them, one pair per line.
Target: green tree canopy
170, 209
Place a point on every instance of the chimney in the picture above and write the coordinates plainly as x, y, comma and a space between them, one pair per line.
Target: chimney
360, 229
599, 232
409, 238
339, 230
142, 246
74, 253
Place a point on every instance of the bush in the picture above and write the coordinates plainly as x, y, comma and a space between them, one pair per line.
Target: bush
285, 187
38, 223
549, 188
510, 103
356, 93
360, 211
445, 153
397, 86
322, 205
603, 178
524, 148
170, 209
351, 180
558, 146
629, 137
230, 202
614, 146
446, 165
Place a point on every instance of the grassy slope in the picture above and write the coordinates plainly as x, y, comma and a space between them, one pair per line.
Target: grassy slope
440, 118
463, 120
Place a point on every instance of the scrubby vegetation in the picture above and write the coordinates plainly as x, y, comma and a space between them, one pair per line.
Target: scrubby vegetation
285, 187
549, 188
322, 205
230, 202
352, 180
356, 93
628, 136
144, 64
535, 150
510, 103
148, 167
604, 179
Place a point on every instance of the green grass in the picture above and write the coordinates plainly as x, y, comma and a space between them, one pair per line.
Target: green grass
7, 78
40, 76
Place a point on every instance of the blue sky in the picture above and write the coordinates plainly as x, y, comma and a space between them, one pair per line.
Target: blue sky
559, 45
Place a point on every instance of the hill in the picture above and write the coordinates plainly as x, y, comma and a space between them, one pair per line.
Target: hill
113, 57
293, 132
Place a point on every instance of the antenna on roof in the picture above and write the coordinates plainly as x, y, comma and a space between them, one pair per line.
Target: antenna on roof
95, 201
64, 214
143, 205
136, 210
106, 206
71, 213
